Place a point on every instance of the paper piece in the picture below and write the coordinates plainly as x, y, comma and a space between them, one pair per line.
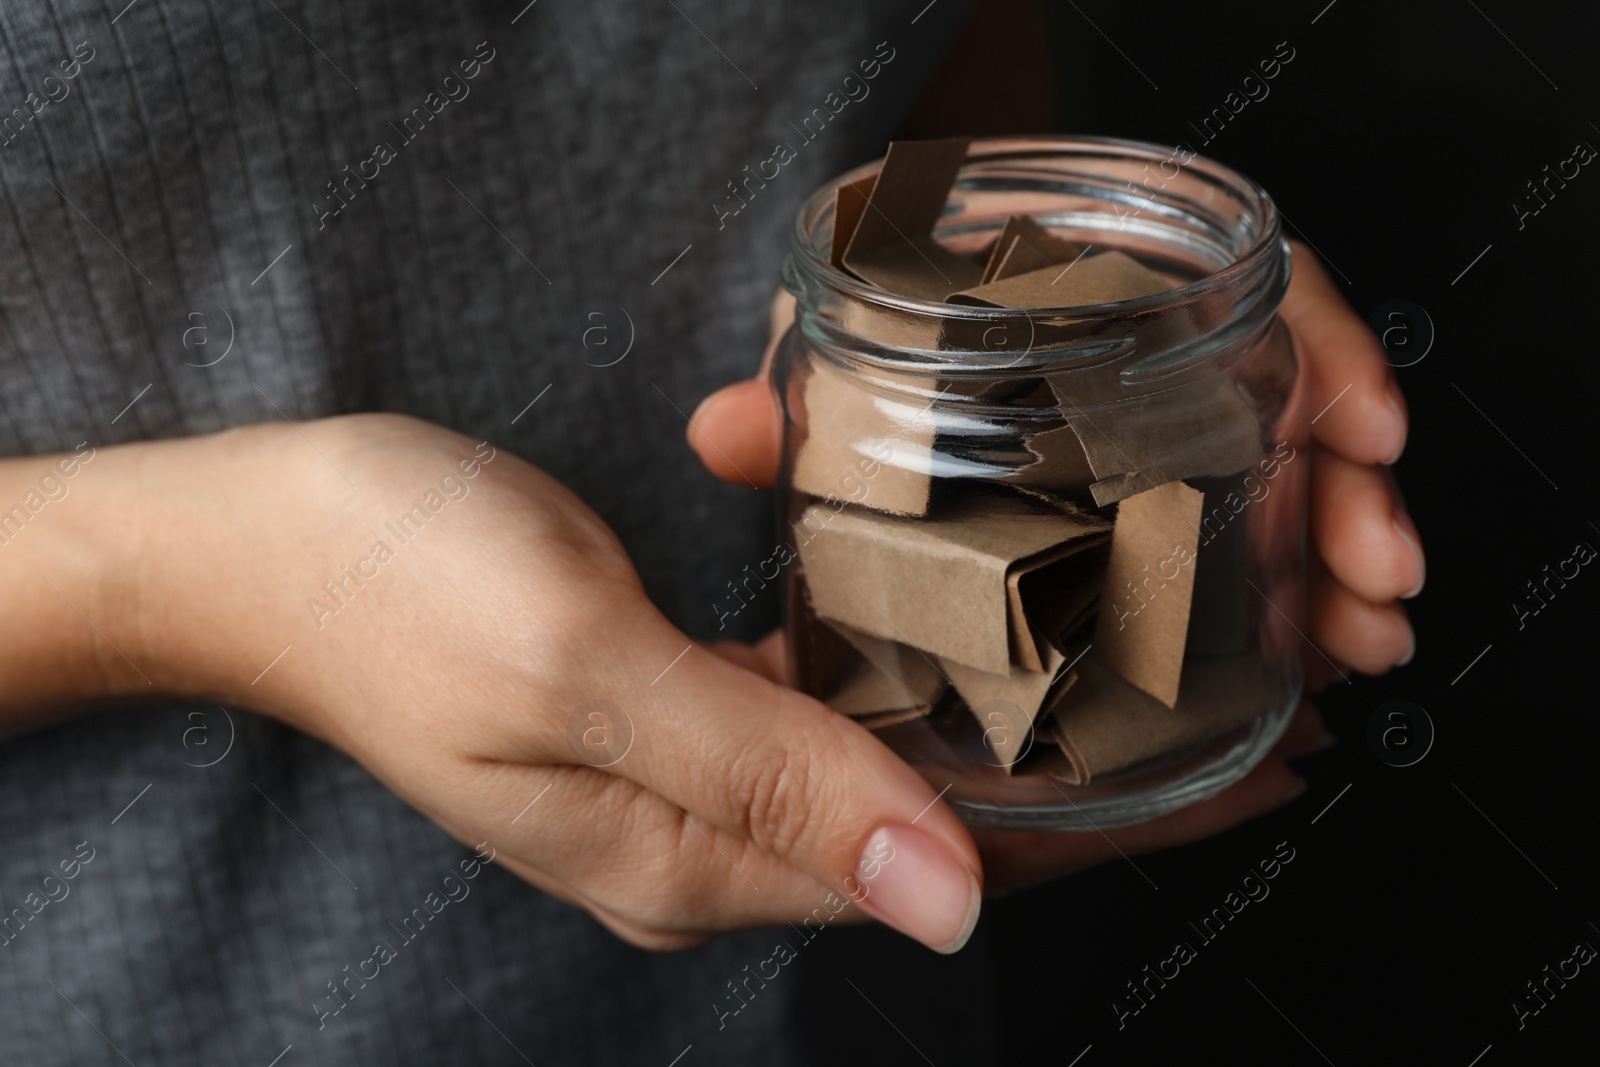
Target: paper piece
891, 718
1144, 604
870, 692
1006, 705
893, 245
1047, 603
1025, 246
1098, 279
1200, 428
848, 204
937, 584
913, 671
862, 676
862, 446
1062, 467
1105, 725
822, 658
1222, 618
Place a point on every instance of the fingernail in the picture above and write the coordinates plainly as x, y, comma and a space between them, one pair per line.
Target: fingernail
1392, 394
915, 884
1411, 653
1408, 533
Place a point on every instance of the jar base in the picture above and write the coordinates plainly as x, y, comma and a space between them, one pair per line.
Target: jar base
1218, 770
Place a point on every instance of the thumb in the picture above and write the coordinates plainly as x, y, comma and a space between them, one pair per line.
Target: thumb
805, 785
738, 433
738, 430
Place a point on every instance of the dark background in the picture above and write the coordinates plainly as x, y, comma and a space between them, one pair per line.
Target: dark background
1396, 140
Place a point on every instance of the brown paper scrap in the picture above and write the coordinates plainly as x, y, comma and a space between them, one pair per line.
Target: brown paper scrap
1144, 604
869, 692
913, 670
1007, 705
937, 584
1049, 601
1105, 725
892, 245
867, 678
1204, 428
1025, 246
1098, 279
1062, 468
862, 446
1222, 618
848, 205
887, 719
822, 659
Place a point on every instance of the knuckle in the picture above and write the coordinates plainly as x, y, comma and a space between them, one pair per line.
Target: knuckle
772, 787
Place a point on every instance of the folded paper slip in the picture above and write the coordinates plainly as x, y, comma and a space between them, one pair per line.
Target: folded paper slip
1105, 725
1025, 246
1202, 428
1149, 586
862, 676
936, 584
1098, 279
1061, 469
1222, 619
849, 202
916, 679
869, 693
1048, 603
822, 659
862, 445
892, 245
1006, 705
884, 720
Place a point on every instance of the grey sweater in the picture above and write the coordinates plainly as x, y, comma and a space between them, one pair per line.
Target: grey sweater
223, 213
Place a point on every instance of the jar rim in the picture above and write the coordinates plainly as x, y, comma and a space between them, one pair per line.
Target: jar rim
1266, 238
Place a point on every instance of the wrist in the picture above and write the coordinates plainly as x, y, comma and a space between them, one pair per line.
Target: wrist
64, 562
135, 580
197, 580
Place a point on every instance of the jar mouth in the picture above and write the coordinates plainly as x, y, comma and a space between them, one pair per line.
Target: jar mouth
1204, 208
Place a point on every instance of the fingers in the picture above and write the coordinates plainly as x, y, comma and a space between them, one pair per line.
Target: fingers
1349, 629
1369, 554
1357, 409
1018, 860
1362, 531
788, 778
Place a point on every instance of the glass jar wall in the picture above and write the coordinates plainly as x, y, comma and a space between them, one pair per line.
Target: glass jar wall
1053, 556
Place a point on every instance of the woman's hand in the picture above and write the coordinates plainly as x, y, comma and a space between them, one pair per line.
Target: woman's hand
450, 617
1368, 553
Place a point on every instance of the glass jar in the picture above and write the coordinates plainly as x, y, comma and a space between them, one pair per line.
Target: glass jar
1053, 557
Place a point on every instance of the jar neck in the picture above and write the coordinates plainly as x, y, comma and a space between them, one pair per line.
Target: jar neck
1208, 230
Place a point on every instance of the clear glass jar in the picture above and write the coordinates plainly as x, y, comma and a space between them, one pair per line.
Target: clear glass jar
960, 601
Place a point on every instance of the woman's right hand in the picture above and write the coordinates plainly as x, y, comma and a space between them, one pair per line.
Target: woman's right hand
447, 615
